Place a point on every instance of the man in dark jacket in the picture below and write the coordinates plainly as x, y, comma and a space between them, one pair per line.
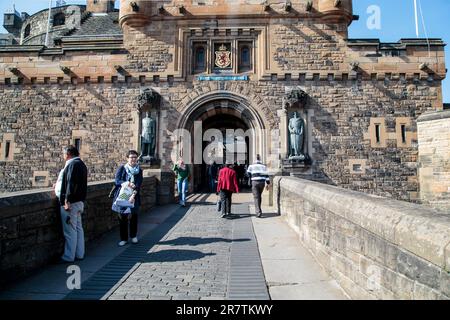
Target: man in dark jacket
71, 189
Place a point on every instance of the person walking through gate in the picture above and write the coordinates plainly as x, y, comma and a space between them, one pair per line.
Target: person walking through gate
213, 169
71, 189
226, 186
182, 172
259, 178
132, 173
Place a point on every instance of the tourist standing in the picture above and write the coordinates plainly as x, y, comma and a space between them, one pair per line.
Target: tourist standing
182, 172
71, 189
260, 178
131, 173
226, 186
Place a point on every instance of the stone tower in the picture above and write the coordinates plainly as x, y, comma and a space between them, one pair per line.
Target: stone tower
100, 6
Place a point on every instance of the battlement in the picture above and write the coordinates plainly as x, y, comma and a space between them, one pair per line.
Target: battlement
136, 13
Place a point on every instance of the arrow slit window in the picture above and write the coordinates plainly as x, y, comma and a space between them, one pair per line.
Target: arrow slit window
245, 56
199, 57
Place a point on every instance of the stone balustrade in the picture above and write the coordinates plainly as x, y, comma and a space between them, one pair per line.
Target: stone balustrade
30, 225
376, 248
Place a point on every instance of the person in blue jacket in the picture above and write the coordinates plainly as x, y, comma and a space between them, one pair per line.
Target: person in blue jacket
131, 173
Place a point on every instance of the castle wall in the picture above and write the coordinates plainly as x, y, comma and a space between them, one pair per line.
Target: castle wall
363, 100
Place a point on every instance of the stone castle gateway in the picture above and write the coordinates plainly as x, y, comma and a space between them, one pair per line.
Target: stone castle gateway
229, 64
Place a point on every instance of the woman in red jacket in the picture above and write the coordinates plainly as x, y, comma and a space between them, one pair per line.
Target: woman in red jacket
226, 186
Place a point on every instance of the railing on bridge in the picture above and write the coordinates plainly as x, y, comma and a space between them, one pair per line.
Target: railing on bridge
376, 248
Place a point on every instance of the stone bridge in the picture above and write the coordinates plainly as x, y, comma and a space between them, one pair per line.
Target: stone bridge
314, 241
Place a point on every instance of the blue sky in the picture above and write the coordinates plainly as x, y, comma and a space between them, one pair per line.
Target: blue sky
397, 21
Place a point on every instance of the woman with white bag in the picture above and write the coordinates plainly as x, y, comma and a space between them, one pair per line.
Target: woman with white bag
127, 198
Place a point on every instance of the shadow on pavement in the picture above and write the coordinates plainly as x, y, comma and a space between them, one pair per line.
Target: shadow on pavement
104, 281
175, 255
194, 241
234, 216
269, 215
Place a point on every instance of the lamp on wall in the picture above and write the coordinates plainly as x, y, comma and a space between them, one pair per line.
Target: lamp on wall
134, 6
354, 66
13, 70
182, 9
423, 66
65, 69
309, 6
119, 69
288, 6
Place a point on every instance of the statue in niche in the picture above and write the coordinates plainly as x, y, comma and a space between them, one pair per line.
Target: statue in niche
297, 133
148, 137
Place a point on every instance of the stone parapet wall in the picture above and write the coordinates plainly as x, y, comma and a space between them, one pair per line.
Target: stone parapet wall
374, 247
434, 159
30, 225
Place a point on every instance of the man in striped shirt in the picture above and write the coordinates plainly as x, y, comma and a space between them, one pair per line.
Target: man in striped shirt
260, 178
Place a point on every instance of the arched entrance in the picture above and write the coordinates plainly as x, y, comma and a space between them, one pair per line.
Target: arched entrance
230, 116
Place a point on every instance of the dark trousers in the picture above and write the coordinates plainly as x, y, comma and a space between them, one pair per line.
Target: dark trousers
225, 198
131, 221
257, 189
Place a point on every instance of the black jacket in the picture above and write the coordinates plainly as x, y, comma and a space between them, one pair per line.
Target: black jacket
74, 182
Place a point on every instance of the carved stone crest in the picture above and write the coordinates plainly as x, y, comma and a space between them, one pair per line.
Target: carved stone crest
223, 57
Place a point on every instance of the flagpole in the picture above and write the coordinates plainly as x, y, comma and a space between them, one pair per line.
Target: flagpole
417, 20
48, 21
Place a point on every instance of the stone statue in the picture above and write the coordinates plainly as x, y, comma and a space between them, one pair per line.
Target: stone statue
296, 129
148, 136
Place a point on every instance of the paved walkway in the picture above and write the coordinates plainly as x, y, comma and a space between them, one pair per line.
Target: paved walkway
49, 283
290, 270
192, 253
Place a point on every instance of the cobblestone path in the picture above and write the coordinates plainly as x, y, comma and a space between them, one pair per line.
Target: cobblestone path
193, 255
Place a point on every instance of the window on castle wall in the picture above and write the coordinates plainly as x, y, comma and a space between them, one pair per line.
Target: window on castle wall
245, 57
27, 31
377, 133
199, 58
7, 149
59, 19
403, 129
77, 144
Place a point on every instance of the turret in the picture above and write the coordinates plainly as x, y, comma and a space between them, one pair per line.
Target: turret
100, 6
336, 11
134, 13
13, 21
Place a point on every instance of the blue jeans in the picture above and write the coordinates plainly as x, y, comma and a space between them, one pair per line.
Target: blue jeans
182, 186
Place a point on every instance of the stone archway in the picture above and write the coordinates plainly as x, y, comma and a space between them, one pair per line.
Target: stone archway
222, 108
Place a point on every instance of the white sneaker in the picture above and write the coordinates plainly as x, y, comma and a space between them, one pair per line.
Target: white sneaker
122, 243
134, 240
